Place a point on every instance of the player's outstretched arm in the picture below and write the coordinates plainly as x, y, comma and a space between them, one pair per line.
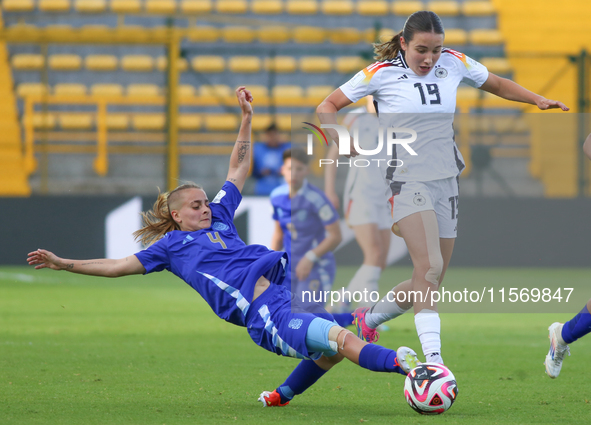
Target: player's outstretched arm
240, 158
327, 113
510, 90
587, 146
330, 176
42, 259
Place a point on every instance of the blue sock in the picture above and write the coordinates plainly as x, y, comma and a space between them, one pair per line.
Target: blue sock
302, 377
577, 326
343, 319
379, 359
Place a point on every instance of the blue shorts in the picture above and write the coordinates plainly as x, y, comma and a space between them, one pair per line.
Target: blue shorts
277, 322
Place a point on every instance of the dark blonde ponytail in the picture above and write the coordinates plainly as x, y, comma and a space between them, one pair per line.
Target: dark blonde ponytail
388, 50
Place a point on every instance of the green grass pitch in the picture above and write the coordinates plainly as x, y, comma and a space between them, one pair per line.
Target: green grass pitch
148, 350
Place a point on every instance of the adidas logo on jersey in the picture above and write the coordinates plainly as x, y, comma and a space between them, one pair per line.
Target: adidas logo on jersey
404, 77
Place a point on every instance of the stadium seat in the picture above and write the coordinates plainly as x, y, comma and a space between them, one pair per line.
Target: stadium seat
344, 36
486, 37
266, 7
54, 5
101, 62
27, 61
406, 8
260, 122
480, 124
65, 62
478, 8
497, 65
69, 89
186, 91
31, 89
444, 7
238, 34
302, 7
208, 63
189, 122
106, 90
260, 94
309, 35
126, 6
161, 7
162, 64
281, 64
42, 121
349, 64
194, 7
231, 6
90, 6
287, 95
274, 34
372, 7
18, 5
386, 34
467, 94
455, 37
137, 63
316, 94
203, 34
117, 121
283, 122
244, 64
134, 32
221, 122
315, 64
76, 121
143, 90
148, 122
337, 7
510, 124
101, 32
215, 95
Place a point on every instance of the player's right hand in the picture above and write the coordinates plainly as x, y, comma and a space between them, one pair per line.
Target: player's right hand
244, 99
42, 259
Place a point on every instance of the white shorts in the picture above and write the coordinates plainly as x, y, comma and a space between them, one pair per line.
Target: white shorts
439, 195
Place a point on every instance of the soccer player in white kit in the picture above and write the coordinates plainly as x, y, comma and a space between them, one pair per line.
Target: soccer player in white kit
416, 78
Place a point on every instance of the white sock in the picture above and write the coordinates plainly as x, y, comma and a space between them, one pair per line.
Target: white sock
365, 278
428, 327
385, 309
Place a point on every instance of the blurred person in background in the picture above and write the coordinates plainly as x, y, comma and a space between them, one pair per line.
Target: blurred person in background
267, 160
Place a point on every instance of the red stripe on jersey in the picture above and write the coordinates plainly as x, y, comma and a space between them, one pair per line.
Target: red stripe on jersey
373, 68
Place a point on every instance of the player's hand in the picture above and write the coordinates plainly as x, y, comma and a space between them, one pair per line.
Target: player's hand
303, 269
334, 199
544, 104
244, 100
42, 259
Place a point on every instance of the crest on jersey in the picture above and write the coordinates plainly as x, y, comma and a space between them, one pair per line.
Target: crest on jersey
220, 226
441, 73
419, 200
295, 323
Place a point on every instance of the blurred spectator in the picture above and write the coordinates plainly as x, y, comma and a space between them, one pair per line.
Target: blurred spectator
267, 161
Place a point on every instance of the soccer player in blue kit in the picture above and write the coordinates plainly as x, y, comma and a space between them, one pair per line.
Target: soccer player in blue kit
196, 240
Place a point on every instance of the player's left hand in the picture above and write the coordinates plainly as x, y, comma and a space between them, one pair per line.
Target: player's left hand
544, 104
303, 269
244, 100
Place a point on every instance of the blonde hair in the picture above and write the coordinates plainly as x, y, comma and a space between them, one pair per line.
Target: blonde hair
158, 221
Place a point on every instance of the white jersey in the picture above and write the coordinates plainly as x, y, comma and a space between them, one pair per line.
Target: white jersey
425, 104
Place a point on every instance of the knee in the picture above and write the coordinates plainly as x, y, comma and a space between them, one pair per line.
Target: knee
431, 269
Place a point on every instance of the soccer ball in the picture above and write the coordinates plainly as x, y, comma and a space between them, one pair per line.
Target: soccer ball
430, 389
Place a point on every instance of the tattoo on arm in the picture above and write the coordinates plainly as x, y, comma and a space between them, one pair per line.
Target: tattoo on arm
243, 149
70, 266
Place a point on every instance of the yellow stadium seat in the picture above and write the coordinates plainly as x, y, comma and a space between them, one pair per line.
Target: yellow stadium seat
196, 6
386, 34
486, 37
349, 64
497, 65
186, 91
54, 5
315, 64
238, 34
444, 8
266, 7
76, 121
59, 30
18, 5
260, 122
143, 90
302, 7
126, 6
244, 64
101, 32
117, 121
287, 95
478, 8
316, 94
480, 124
31, 89
141, 63
372, 7
42, 121
90, 6
106, 90
149, 122
274, 34
187, 122
231, 6
101, 62
27, 61
467, 94
455, 37
215, 95
221, 122
337, 7
344, 36
260, 94
162, 7
283, 122
203, 34
162, 64
406, 8
208, 63
69, 89
512, 124
309, 35
281, 64
65, 62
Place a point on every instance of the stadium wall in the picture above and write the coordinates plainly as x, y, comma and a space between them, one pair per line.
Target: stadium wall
492, 232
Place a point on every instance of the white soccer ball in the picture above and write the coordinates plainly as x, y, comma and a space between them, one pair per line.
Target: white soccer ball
430, 389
